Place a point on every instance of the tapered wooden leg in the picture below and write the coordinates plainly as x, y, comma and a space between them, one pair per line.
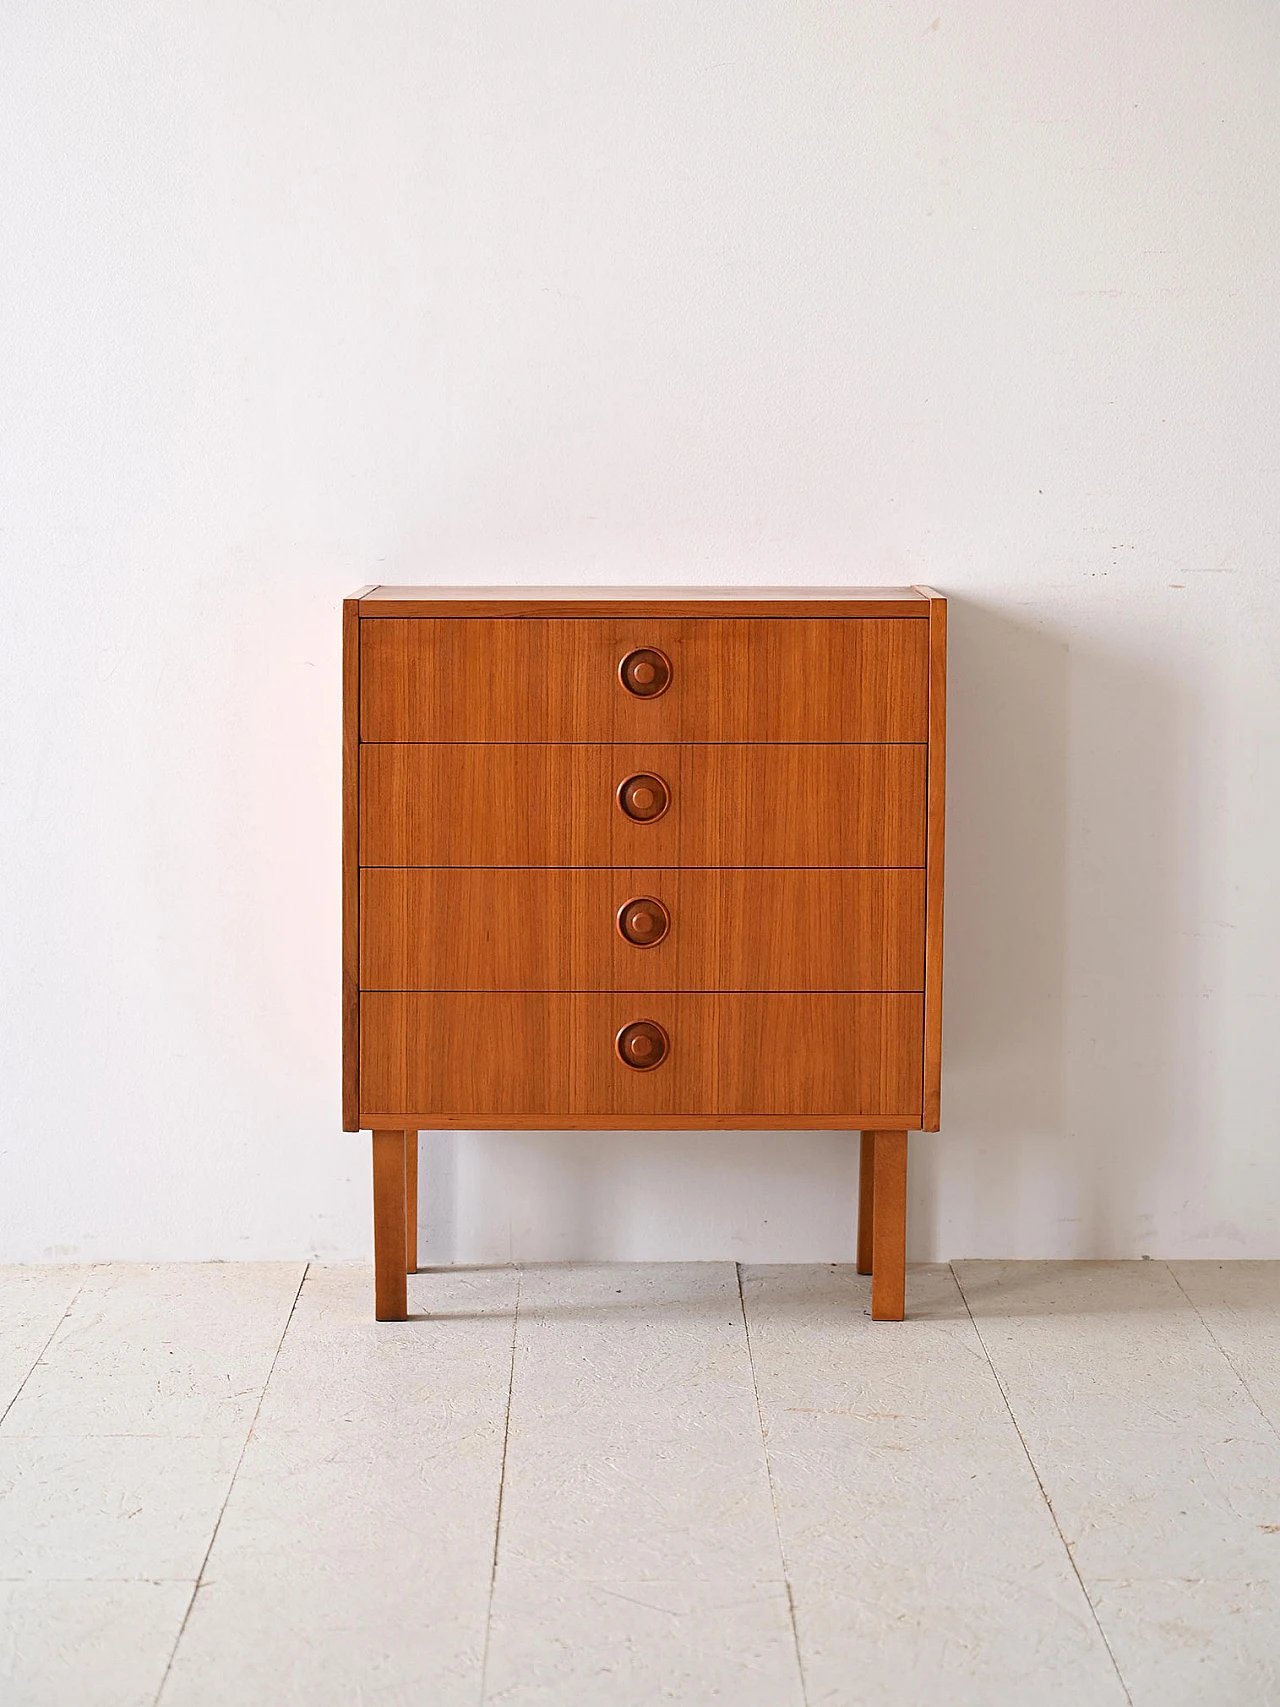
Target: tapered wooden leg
411, 1201
866, 1197
391, 1291
889, 1228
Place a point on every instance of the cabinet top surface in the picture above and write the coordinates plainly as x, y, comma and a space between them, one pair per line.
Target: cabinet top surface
668, 601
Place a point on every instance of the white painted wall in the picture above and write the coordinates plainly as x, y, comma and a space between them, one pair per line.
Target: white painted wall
305, 295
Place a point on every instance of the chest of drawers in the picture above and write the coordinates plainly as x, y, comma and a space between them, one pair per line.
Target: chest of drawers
643, 860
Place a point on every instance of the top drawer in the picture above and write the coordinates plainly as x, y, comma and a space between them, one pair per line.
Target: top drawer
844, 679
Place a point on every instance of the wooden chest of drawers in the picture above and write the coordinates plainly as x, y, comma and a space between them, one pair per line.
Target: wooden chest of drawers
642, 860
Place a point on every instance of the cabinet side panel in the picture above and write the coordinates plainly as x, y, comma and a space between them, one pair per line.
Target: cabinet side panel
351, 865
937, 786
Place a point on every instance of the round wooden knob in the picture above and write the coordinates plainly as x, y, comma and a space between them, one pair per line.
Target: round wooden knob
643, 1044
645, 673
644, 921
644, 797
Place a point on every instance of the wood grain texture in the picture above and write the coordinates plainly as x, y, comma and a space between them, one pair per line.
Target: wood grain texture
866, 1200
695, 1122
889, 1227
936, 857
522, 804
553, 929
391, 1295
779, 603
350, 864
553, 680
797, 1055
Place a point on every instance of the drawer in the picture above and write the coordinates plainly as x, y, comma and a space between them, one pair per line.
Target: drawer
477, 1057
782, 679
523, 803
545, 929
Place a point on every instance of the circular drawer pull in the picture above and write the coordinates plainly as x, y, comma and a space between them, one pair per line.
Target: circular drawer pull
645, 673
644, 797
644, 922
643, 1044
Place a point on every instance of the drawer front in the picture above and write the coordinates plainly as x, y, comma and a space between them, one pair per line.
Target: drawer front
536, 804
855, 1057
787, 679
530, 929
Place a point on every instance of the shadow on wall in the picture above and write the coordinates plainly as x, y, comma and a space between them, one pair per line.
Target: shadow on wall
1065, 1073
489, 1197
1070, 1065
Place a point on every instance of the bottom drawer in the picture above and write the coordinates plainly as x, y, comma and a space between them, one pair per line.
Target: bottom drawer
515, 1059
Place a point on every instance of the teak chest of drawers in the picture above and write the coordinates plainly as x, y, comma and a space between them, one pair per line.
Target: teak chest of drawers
643, 860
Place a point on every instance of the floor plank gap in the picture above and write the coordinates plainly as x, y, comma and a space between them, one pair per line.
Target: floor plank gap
213, 1536
502, 1486
773, 1492
1225, 1354
38, 1358
1022, 1441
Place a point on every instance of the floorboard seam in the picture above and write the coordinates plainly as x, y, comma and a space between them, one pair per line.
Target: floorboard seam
71, 1304
773, 1493
502, 1488
1044, 1495
244, 1447
1223, 1352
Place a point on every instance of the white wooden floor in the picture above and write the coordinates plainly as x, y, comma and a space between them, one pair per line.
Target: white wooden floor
1055, 1483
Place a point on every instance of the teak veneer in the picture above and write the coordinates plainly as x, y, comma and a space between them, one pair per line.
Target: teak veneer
521, 803
643, 859
731, 680
538, 928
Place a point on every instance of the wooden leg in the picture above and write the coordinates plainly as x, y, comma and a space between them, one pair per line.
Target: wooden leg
866, 1198
391, 1292
411, 1201
889, 1228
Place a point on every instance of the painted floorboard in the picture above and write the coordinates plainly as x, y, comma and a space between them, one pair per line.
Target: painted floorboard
33, 1301
115, 1459
650, 1550
354, 1559
1163, 1472
1239, 1303
638, 1558
924, 1564
86, 1644
160, 1349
